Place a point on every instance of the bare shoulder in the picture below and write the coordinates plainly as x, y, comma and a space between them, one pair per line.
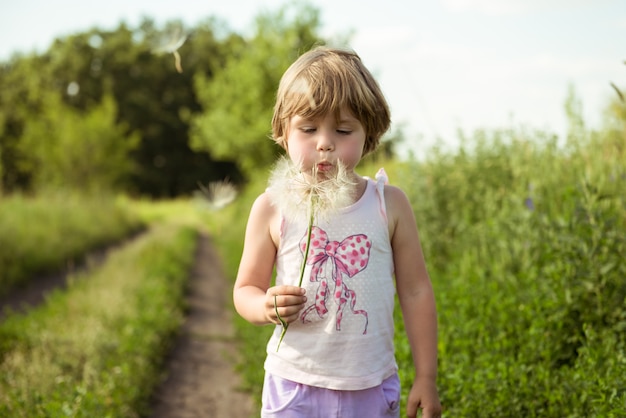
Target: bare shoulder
399, 211
396, 201
262, 205
264, 216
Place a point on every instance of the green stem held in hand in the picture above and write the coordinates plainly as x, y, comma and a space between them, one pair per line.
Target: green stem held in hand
302, 267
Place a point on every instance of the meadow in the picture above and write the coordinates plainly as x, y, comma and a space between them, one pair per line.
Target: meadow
52, 230
525, 241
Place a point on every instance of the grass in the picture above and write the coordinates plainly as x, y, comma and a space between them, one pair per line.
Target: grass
525, 243
97, 348
44, 233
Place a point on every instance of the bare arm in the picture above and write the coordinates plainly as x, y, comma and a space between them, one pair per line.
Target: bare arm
254, 299
417, 302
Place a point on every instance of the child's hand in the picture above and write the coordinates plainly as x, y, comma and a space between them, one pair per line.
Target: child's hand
424, 395
288, 301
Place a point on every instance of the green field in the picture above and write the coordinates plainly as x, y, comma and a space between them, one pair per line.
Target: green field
525, 241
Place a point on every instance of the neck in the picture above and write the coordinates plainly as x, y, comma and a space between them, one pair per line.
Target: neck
360, 186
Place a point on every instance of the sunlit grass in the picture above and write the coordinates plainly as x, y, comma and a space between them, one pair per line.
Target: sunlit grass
41, 233
524, 240
96, 349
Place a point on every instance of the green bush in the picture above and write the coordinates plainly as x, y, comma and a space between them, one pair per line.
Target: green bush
526, 243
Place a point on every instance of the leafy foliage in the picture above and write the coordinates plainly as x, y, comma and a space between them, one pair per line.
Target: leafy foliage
525, 242
238, 101
83, 152
129, 89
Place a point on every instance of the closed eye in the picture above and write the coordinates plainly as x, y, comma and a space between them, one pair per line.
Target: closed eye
344, 132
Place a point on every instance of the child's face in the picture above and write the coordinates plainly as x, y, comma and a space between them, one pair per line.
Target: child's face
321, 142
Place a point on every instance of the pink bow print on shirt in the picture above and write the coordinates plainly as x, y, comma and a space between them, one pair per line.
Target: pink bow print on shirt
348, 258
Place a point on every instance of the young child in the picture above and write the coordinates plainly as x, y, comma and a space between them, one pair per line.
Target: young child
337, 356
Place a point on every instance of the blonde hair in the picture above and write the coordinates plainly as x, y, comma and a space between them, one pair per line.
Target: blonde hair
327, 80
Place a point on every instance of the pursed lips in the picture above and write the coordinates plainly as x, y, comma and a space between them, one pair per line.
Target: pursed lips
324, 166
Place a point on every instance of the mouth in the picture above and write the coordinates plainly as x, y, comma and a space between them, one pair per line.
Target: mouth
324, 167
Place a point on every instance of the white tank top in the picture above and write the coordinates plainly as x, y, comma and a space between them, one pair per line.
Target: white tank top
343, 339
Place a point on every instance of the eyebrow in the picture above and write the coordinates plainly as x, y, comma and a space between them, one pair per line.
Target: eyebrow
347, 120
343, 119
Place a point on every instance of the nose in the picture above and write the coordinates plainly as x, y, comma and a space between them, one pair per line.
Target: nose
325, 142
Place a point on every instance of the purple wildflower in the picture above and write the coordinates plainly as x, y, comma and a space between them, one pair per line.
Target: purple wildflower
530, 205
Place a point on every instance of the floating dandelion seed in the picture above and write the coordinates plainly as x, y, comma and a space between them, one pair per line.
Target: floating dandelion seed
170, 44
300, 196
73, 88
217, 195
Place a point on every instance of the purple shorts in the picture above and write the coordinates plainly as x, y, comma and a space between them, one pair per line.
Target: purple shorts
286, 399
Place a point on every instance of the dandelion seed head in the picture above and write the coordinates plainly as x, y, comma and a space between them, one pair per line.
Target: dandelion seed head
216, 195
170, 42
299, 195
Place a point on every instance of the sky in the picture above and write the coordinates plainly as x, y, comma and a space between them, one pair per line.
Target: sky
444, 65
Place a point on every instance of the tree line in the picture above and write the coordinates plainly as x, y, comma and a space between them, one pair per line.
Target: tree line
148, 110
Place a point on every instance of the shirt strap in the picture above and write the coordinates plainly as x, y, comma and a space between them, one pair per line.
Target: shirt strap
382, 179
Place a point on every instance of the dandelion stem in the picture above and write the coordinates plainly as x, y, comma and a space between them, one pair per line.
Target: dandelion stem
282, 321
306, 249
302, 267
177, 60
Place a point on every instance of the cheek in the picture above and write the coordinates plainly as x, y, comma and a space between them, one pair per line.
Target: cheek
296, 152
353, 153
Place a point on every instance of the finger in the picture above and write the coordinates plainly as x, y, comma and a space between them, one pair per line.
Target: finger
280, 304
271, 309
411, 411
282, 300
288, 313
288, 290
429, 413
282, 321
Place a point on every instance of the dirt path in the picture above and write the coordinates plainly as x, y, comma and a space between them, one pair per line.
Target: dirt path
201, 380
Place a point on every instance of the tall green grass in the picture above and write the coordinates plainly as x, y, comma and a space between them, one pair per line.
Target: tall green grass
525, 243
42, 233
96, 350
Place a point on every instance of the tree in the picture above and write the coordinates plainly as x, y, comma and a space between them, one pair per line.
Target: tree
21, 82
151, 99
223, 96
238, 100
155, 100
84, 152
